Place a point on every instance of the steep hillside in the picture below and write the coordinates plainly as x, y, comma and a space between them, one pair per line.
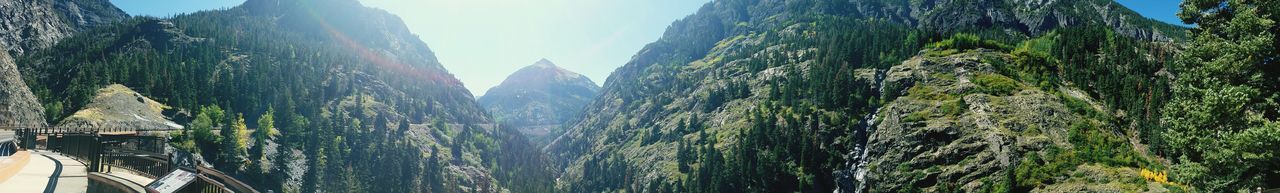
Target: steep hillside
358, 101
538, 98
18, 107
117, 106
28, 25
961, 124
780, 96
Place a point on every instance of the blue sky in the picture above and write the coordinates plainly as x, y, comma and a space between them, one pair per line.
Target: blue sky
483, 41
1163, 10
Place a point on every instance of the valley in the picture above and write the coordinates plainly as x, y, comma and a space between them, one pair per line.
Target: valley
739, 96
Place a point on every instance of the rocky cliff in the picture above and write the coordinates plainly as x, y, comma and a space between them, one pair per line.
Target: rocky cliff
538, 98
28, 25
17, 106
959, 124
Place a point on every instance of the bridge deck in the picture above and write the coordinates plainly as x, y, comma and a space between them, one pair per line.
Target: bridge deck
46, 171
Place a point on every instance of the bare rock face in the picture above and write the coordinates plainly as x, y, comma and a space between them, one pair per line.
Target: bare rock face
18, 107
117, 106
28, 25
944, 133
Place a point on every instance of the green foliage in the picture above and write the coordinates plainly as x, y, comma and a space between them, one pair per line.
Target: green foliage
1036, 170
954, 107
916, 116
53, 111
234, 153
1221, 121
965, 41
1093, 144
202, 130
1121, 73
996, 84
1034, 63
259, 163
1081, 107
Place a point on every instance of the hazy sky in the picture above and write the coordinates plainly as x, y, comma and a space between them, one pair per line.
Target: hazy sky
483, 41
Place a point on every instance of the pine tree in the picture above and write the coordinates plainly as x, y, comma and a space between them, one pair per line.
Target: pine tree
266, 130
1222, 119
234, 155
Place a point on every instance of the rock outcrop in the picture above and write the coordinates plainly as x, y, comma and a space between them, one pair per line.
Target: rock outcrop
18, 107
117, 106
28, 25
538, 98
948, 130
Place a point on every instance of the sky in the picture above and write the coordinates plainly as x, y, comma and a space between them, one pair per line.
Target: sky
1162, 10
483, 41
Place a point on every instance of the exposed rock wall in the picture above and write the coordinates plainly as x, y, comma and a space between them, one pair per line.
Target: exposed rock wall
28, 25
18, 107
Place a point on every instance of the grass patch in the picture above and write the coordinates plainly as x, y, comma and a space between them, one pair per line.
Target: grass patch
995, 84
941, 53
953, 107
965, 41
917, 116
1081, 107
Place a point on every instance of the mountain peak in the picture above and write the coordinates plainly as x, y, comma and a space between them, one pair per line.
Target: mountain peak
544, 63
538, 98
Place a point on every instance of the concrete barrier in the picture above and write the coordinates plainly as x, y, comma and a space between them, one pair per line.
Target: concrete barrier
105, 183
12, 165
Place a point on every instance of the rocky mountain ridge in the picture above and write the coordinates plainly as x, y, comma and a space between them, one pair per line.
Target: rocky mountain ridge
29, 25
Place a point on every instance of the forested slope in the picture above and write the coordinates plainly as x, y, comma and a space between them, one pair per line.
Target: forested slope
343, 98
782, 96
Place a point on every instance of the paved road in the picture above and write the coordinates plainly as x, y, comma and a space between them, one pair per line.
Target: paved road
49, 171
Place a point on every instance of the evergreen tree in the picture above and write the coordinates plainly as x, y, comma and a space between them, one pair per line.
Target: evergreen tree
1222, 119
260, 164
234, 154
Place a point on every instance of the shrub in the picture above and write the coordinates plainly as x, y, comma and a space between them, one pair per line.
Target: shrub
965, 41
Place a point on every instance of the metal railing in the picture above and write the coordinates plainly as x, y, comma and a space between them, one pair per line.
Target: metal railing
144, 155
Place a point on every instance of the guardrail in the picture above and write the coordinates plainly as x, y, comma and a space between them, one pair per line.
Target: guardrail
143, 155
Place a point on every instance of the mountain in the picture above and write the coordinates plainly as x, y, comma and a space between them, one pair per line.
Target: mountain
880, 96
538, 98
360, 102
17, 105
29, 25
